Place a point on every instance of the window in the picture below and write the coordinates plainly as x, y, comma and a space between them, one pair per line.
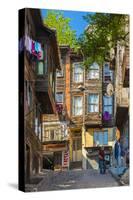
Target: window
77, 144
42, 63
77, 105
108, 74
93, 103
108, 104
93, 71
101, 138
77, 73
59, 73
59, 97
40, 68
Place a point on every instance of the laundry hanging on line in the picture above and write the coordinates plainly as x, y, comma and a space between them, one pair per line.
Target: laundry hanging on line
31, 46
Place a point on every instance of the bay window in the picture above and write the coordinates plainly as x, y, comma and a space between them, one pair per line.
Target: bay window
93, 103
77, 73
77, 105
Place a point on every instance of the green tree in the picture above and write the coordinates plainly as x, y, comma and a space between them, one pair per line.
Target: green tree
101, 35
65, 34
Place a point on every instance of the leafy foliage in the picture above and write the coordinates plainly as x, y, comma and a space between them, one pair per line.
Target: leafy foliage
65, 34
101, 35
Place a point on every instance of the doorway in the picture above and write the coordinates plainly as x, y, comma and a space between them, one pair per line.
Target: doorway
77, 149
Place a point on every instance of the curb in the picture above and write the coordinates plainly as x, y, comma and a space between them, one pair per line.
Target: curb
117, 178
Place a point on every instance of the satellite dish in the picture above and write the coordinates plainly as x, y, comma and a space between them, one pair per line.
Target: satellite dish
110, 89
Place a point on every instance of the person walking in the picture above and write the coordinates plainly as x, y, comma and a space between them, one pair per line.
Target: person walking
101, 160
118, 153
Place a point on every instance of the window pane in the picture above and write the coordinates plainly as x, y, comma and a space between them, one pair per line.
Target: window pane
93, 99
108, 74
107, 100
94, 66
40, 68
93, 74
94, 71
93, 103
106, 67
96, 142
105, 138
108, 104
59, 97
59, 73
77, 105
78, 73
108, 109
101, 138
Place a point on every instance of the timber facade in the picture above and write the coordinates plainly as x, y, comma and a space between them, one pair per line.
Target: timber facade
39, 55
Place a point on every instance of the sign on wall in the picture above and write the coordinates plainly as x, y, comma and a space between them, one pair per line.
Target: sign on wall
65, 158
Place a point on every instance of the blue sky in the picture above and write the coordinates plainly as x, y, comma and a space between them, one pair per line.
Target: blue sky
77, 22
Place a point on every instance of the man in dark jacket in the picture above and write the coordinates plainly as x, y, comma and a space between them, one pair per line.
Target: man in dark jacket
102, 161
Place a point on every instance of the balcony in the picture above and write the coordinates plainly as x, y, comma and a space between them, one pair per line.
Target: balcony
57, 138
50, 118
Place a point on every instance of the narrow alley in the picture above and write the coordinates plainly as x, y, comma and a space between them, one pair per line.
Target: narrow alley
74, 179
76, 111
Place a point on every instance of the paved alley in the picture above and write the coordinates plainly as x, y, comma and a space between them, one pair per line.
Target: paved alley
75, 179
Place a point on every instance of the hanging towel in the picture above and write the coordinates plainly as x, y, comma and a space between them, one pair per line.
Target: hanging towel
28, 43
106, 116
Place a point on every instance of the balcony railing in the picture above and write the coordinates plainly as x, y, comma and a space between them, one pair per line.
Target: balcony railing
58, 137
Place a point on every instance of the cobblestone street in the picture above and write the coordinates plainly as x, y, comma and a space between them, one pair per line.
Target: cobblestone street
75, 179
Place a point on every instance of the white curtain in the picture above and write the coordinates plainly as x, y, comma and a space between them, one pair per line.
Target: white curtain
93, 101
78, 72
94, 71
77, 105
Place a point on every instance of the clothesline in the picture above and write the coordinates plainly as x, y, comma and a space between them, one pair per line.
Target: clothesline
31, 46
